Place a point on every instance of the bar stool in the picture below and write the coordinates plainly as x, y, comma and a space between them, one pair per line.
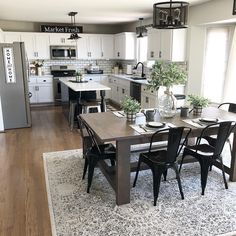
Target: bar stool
72, 111
87, 106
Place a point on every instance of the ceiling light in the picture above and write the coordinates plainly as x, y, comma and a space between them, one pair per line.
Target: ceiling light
73, 36
140, 28
170, 15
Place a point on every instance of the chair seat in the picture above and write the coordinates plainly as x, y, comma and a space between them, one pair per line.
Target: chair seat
108, 151
157, 157
203, 149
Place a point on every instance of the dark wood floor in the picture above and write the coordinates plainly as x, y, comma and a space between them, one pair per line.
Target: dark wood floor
23, 198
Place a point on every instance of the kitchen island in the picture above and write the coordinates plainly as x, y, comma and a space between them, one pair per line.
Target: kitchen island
72, 90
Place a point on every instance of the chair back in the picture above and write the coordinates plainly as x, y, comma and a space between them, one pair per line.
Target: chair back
174, 139
91, 135
231, 107
224, 130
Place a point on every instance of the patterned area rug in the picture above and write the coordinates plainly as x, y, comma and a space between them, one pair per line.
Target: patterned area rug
74, 212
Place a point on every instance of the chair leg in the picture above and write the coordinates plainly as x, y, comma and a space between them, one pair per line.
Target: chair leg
182, 161
85, 167
138, 168
157, 173
112, 162
165, 174
204, 173
91, 166
175, 167
223, 172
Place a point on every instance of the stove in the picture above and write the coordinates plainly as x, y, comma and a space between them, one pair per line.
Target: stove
58, 72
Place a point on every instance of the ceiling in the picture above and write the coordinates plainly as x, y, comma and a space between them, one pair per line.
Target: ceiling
89, 11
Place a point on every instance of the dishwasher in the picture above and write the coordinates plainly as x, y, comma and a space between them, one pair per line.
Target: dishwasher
135, 91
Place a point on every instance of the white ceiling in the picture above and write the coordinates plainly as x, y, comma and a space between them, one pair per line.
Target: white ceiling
89, 11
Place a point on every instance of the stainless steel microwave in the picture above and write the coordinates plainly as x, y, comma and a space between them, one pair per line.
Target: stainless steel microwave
63, 52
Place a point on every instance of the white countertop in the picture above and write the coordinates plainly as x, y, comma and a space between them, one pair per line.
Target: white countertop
79, 87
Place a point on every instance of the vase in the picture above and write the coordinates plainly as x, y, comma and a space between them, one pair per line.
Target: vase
39, 71
167, 104
197, 111
131, 116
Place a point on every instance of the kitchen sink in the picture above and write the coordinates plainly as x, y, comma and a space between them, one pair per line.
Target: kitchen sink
137, 78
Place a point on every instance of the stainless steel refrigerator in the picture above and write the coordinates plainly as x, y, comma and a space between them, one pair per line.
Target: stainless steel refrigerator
14, 92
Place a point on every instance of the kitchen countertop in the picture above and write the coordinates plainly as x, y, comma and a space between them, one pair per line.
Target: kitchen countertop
79, 87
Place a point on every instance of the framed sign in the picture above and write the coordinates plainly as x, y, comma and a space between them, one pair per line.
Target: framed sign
61, 29
234, 7
9, 65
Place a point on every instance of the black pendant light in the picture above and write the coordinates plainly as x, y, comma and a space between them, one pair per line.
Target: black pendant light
140, 28
170, 15
73, 36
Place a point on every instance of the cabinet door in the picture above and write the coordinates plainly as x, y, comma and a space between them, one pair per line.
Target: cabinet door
58, 39
166, 44
107, 46
45, 93
29, 41
11, 37
148, 101
82, 49
154, 44
123, 91
94, 47
119, 51
42, 46
32, 94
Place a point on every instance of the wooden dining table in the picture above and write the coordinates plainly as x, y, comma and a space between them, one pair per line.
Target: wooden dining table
107, 127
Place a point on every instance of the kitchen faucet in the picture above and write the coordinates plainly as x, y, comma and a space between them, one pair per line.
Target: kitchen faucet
142, 75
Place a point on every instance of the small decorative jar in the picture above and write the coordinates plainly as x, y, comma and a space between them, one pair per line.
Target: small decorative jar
131, 116
197, 111
39, 71
167, 104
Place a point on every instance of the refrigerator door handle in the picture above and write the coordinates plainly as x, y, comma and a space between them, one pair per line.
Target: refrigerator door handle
30, 95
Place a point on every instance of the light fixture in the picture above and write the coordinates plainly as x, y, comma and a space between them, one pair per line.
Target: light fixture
73, 36
170, 15
140, 28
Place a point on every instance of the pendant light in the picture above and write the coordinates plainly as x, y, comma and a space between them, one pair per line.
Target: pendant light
140, 28
73, 36
170, 15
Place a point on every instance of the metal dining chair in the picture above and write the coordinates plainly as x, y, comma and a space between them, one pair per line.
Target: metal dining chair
160, 161
207, 154
95, 153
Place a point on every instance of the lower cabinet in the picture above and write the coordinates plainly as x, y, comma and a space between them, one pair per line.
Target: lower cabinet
41, 89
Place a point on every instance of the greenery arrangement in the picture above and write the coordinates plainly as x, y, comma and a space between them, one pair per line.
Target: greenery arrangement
130, 105
38, 63
198, 101
166, 74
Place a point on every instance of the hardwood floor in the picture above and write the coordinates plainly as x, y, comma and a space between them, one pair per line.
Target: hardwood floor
23, 198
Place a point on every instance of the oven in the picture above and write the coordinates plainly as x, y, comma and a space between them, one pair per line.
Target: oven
59, 72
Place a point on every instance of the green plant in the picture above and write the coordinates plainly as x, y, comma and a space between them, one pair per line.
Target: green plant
166, 74
38, 63
130, 105
78, 73
198, 101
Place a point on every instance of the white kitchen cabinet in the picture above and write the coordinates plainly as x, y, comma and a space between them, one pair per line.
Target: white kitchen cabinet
10, 37
41, 89
125, 44
105, 81
61, 39
124, 89
94, 46
167, 45
82, 49
107, 46
148, 101
1, 36
36, 45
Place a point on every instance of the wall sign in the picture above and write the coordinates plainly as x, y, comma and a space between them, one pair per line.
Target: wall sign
61, 29
9, 65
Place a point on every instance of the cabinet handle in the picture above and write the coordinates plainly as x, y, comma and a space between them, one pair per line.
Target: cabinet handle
159, 54
147, 99
102, 54
30, 94
123, 91
36, 88
151, 54
117, 89
118, 54
44, 80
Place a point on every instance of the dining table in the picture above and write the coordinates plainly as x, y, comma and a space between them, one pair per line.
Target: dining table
108, 127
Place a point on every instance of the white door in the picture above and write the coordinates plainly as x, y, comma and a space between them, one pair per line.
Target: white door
45, 93
57, 39
166, 44
154, 42
42, 46
32, 94
82, 49
94, 47
118, 47
28, 39
107, 46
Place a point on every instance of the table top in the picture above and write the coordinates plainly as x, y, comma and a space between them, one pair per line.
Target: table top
79, 87
108, 127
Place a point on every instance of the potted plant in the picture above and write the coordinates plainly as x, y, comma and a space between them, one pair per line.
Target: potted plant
38, 64
166, 74
198, 102
131, 107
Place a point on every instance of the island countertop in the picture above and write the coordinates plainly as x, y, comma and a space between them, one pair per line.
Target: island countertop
79, 87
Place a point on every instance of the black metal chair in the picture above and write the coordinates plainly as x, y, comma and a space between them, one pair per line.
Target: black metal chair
96, 153
206, 154
212, 140
160, 161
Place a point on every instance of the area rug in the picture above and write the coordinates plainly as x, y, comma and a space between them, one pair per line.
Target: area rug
74, 212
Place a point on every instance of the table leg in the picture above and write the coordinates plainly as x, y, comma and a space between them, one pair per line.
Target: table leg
233, 160
103, 102
122, 172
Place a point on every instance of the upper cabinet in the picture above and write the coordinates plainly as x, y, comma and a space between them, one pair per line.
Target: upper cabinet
10, 37
125, 44
107, 42
61, 39
1, 37
36, 45
168, 45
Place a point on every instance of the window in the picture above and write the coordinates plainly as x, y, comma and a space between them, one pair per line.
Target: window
142, 49
216, 58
